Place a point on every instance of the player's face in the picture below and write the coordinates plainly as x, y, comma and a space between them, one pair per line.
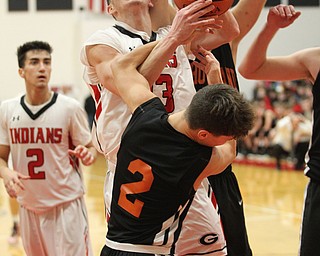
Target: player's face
37, 69
122, 7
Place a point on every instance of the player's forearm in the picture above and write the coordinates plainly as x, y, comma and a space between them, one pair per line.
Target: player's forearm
246, 12
256, 57
3, 167
228, 32
158, 58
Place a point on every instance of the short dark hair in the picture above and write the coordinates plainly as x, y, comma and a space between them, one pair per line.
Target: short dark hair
108, 2
221, 110
30, 46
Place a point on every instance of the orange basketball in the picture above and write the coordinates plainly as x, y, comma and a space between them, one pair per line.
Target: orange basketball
221, 6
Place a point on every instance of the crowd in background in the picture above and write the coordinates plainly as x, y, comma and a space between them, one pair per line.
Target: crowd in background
283, 122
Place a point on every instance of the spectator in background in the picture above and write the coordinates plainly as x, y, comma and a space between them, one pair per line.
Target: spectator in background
290, 137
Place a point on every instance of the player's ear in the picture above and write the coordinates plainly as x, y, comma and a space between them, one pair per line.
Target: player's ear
110, 9
21, 72
202, 134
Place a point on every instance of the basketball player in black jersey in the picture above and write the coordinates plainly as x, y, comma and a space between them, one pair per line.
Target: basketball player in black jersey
225, 185
303, 64
162, 159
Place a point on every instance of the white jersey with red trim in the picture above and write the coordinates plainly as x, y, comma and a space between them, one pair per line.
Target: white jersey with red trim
173, 87
39, 138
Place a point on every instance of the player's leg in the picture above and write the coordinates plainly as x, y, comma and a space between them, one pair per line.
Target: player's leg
30, 233
309, 242
14, 210
62, 230
72, 229
226, 190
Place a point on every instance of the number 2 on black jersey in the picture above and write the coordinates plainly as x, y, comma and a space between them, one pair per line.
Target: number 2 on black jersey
144, 185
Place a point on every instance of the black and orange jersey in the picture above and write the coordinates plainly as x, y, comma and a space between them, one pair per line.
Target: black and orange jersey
228, 71
154, 182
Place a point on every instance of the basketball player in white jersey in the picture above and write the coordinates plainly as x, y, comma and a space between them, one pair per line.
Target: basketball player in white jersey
174, 87
47, 134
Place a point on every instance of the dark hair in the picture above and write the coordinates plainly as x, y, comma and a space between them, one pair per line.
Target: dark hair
30, 46
108, 2
221, 110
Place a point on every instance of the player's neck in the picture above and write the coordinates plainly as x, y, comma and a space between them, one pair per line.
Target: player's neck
142, 23
38, 98
179, 123
161, 15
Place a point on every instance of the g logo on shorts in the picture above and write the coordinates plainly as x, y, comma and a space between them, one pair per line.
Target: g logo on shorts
209, 239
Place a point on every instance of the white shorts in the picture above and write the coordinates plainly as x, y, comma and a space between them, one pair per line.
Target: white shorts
202, 232
63, 230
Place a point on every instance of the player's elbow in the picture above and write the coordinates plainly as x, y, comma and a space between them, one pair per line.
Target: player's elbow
246, 71
233, 34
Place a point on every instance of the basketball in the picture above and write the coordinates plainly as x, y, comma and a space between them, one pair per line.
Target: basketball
221, 6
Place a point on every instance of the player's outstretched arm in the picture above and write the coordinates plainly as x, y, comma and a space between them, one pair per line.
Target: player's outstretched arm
228, 31
256, 64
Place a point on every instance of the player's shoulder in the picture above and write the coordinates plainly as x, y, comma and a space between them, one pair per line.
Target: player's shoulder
11, 102
100, 36
67, 102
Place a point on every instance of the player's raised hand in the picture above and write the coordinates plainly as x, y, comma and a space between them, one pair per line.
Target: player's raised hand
189, 20
281, 16
209, 64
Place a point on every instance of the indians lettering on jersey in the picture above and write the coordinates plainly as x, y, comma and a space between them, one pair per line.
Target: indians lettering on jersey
30, 135
200, 80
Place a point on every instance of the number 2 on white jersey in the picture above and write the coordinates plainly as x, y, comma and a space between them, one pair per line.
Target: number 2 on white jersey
36, 153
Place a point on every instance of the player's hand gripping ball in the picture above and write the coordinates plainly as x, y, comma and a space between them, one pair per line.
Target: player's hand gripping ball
221, 6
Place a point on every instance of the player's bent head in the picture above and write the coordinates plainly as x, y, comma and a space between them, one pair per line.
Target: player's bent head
221, 110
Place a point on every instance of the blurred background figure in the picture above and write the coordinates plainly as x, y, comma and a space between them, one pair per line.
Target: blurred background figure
290, 138
90, 108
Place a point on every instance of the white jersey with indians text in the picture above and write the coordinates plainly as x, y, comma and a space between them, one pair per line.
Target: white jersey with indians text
39, 138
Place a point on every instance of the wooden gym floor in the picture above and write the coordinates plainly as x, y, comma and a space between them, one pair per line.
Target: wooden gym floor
273, 203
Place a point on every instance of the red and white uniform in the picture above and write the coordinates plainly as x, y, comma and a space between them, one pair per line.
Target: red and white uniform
39, 138
175, 89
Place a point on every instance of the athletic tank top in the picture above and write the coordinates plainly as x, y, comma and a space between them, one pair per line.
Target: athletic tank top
39, 138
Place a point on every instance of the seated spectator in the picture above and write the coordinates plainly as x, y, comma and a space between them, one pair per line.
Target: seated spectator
290, 137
